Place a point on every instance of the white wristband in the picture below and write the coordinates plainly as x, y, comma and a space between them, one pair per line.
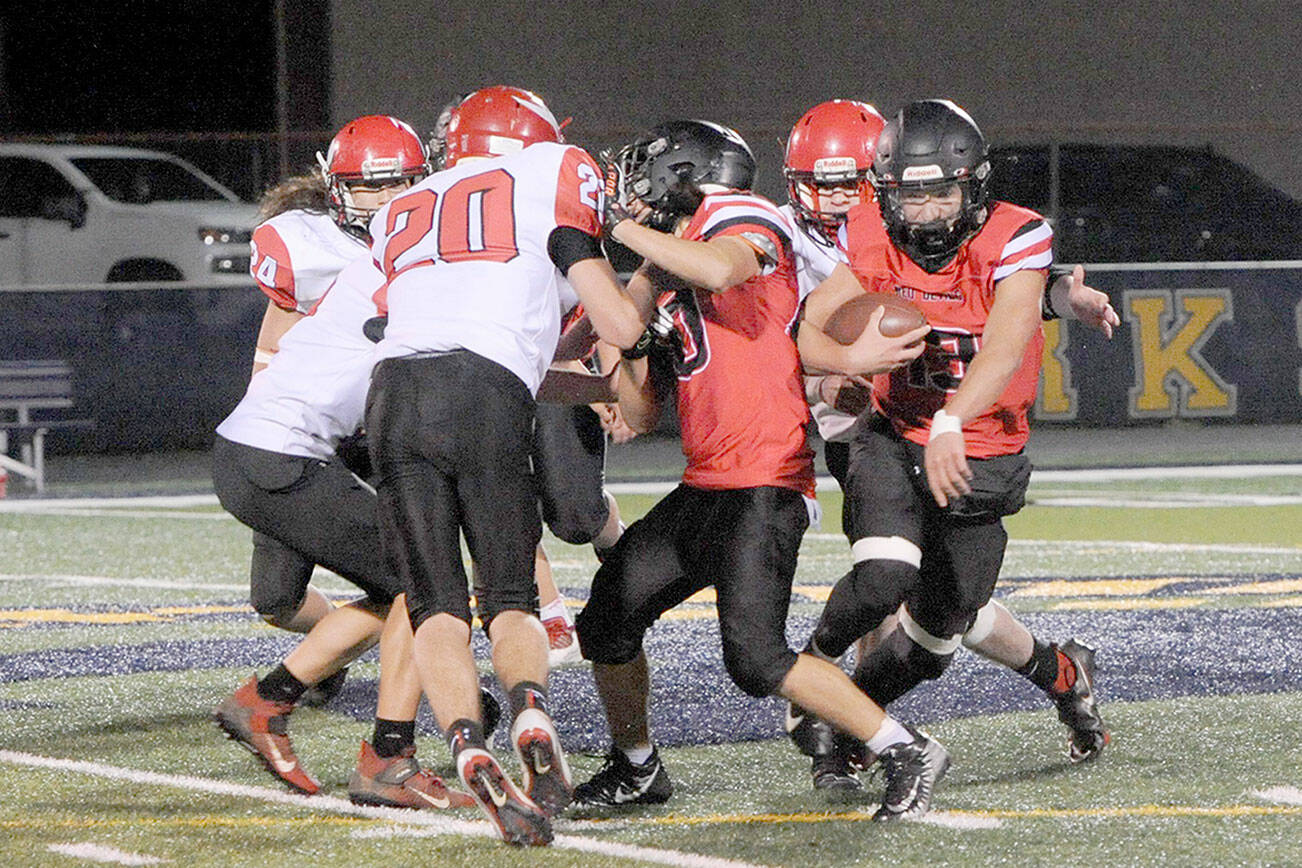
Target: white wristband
944, 423
263, 357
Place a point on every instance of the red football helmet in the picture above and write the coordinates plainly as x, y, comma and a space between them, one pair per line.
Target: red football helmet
832, 144
498, 120
375, 150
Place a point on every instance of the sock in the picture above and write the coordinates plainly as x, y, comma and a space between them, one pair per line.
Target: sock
527, 694
280, 686
555, 609
888, 734
465, 733
638, 756
1048, 667
392, 737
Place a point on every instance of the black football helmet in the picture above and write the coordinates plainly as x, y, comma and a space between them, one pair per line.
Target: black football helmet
929, 145
671, 166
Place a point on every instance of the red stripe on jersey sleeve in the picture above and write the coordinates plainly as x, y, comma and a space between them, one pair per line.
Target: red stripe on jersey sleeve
271, 267
578, 190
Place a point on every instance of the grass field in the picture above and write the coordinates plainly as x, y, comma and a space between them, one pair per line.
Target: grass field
121, 626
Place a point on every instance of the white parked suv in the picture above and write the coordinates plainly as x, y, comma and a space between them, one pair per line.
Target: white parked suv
87, 214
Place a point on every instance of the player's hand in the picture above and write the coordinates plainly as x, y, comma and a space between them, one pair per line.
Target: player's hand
945, 461
874, 353
850, 394
1089, 305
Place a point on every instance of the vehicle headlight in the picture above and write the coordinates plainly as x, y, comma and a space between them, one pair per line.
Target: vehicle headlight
220, 235
229, 264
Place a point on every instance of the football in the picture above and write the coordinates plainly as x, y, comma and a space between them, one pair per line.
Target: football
849, 320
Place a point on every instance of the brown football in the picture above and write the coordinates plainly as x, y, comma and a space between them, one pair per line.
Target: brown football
849, 320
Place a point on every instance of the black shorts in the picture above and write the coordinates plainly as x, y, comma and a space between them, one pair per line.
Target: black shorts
569, 455
450, 438
962, 545
744, 542
315, 508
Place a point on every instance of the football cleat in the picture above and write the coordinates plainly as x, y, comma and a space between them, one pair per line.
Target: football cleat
324, 691
490, 710
546, 774
400, 782
912, 771
620, 782
1078, 707
562, 643
833, 773
259, 725
515, 817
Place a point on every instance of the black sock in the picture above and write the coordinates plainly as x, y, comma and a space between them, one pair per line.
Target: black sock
527, 694
280, 686
392, 737
465, 733
1042, 669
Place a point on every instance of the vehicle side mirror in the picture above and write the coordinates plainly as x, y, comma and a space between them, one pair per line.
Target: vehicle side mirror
70, 208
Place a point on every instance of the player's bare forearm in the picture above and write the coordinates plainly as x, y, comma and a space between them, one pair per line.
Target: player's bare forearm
275, 322
838, 288
715, 265
618, 313
1014, 320
638, 394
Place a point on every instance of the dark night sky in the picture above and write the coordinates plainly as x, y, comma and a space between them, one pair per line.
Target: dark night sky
137, 65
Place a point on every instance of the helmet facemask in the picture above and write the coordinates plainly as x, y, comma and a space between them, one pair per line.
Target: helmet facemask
669, 198
934, 244
811, 200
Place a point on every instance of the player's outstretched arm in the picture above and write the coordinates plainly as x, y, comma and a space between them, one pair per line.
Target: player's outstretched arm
1070, 298
1014, 320
716, 264
618, 314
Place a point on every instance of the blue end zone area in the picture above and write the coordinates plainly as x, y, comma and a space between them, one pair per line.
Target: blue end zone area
1142, 654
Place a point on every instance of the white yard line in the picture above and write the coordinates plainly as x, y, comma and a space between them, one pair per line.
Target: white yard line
110, 581
100, 853
440, 824
1280, 795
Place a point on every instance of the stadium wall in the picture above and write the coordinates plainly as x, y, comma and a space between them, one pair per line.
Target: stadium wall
1217, 342
1148, 71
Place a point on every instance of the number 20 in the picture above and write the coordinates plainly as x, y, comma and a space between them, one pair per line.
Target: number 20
476, 221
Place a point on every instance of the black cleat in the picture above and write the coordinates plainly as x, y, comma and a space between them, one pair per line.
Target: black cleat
620, 782
912, 771
1078, 707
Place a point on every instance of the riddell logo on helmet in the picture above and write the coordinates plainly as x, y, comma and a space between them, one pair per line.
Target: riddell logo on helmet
923, 173
834, 168
381, 167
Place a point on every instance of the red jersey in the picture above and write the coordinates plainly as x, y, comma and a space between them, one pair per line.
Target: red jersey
741, 399
956, 302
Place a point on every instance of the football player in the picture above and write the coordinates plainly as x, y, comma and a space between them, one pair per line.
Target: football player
569, 463
474, 258
828, 157
277, 467
720, 258
941, 463
314, 225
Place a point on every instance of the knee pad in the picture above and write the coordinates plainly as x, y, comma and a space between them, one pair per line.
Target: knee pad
861, 600
983, 624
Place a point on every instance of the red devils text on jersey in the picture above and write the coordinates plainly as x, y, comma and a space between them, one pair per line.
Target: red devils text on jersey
741, 401
956, 302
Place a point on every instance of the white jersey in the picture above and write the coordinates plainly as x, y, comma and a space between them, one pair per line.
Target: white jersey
296, 256
313, 392
465, 252
816, 258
